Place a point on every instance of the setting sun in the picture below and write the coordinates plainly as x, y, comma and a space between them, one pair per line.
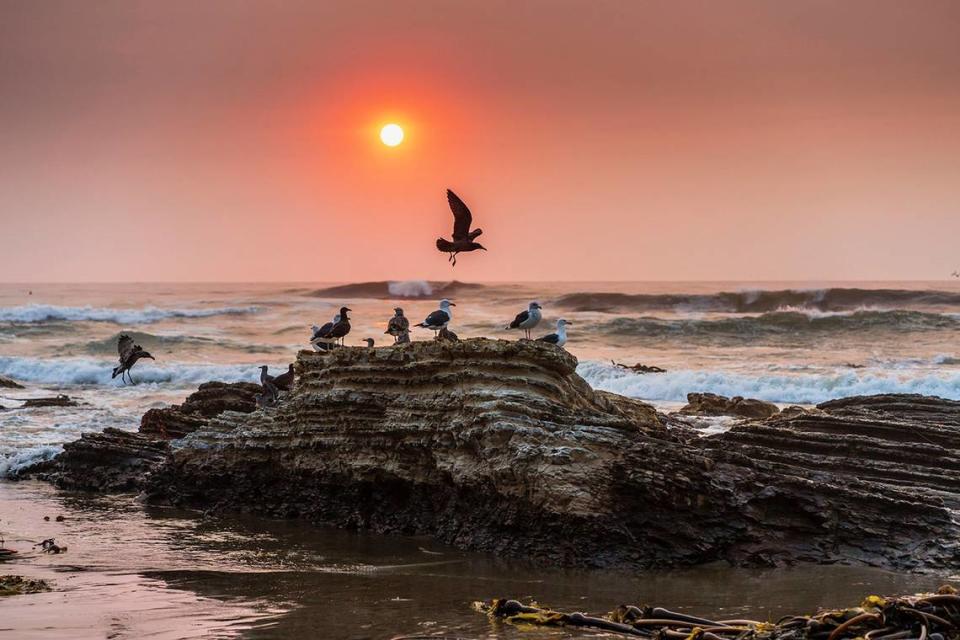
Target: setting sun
391, 135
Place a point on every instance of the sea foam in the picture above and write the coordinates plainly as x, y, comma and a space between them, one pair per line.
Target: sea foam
410, 289
34, 313
89, 371
674, 386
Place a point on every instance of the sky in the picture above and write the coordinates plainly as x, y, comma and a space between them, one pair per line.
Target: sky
593, 140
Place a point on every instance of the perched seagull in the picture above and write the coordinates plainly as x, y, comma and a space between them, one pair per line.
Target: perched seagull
955, 274
560, 337
321, 335
438, 319
284, 381
129, 354
463, 237
398, 325
369, 342
268, 382
342, 327
528, 319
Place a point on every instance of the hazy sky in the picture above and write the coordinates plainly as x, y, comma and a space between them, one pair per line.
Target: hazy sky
592, 140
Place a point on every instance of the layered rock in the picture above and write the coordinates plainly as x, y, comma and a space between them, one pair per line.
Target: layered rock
7, 383
711, 404
500, 446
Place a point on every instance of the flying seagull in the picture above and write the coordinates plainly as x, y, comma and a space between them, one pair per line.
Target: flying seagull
560, 337
528, 319
463, 237
129, 354
438, 319
342, 327
398, 325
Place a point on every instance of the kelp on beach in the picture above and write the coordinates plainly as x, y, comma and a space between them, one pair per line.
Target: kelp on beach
928, 616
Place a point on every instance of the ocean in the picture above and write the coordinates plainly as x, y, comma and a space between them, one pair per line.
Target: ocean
788, 343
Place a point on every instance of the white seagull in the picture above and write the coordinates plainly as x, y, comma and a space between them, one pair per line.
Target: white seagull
528, 319
439, 318
560, 337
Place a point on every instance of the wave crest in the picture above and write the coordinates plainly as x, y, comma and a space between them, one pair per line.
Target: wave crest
396, 289
37, 313
87, 371
760, 301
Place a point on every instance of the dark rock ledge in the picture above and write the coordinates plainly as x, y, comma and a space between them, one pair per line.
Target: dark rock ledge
500, 446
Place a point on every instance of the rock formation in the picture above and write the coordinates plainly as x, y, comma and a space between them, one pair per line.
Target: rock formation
7, 383
710, 404
500, 446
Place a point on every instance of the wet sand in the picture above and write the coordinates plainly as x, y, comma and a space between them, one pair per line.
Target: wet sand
141, 572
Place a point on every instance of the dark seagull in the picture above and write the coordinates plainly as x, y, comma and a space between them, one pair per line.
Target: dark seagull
129, 354
528, 319
270, 393
398, 325
342, 327
321, 335
463, 237
440, 318
560, 337
284, 381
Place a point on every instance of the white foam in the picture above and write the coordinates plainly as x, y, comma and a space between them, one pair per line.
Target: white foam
674, 386
45, 313
89, 371
13, 463
410, 289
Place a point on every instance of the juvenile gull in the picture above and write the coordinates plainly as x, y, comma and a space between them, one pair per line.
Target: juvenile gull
438, 319
342, 327
284, 381
398, 325
528, 319
369, 342
560, 337
268, 382
129, 354
463, 237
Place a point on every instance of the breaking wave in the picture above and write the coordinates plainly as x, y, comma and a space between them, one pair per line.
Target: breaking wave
760, 301
673, 386
396, 289
13, 464
782, 323
87, 371
35, 313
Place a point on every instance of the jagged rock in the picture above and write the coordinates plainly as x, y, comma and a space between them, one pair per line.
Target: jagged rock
109, 461
7, 383
18, 585
211, 399
710, 404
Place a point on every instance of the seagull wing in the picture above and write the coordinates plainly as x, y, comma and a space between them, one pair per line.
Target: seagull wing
551, 338
124, 347
521, 318
462, 218
436, 319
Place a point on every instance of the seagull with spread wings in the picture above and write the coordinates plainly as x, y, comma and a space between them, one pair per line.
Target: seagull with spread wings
463, 237
129, 354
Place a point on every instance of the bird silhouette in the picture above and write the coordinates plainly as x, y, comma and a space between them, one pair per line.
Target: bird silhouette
398, 325
463, 237
129, 354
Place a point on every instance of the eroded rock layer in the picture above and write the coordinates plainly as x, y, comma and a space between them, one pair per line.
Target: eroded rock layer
500, 446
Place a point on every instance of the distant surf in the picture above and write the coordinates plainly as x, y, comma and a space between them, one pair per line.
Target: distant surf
782, 323
760, 301
36, 313
674, 386
387, 289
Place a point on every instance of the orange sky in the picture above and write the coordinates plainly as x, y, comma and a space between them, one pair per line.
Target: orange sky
594, 140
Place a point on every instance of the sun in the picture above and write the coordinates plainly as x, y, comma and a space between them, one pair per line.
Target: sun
391, 135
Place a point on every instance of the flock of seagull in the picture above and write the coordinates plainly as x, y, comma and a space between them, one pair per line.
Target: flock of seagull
333, 333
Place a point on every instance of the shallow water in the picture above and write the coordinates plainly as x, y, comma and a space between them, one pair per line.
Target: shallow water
141, 572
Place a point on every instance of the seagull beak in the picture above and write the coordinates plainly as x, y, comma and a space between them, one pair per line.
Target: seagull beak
453, 304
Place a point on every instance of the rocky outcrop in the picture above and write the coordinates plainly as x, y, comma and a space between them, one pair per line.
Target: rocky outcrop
710, 404
500, 446
119, 461
7, 383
